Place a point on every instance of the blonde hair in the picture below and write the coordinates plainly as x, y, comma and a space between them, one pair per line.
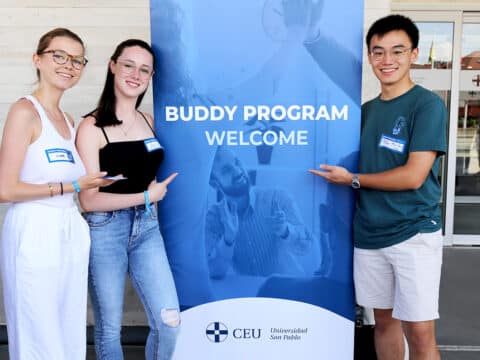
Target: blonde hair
47, 38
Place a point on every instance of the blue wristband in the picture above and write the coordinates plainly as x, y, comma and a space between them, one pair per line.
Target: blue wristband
147, 202
76, 186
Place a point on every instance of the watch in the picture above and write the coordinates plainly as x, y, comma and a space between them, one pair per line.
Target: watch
355, 182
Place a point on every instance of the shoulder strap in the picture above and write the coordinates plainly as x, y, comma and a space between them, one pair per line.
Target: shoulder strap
105, 134
150, 126
38, 107
70, 124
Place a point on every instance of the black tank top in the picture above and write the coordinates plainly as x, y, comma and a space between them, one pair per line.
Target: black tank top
137, 160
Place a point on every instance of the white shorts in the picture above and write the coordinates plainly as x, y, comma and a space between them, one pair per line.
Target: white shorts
404, 277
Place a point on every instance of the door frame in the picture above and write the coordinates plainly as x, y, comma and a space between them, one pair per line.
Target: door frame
468, 17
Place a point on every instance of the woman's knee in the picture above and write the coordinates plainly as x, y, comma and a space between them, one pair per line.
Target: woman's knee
170, 317
168, 328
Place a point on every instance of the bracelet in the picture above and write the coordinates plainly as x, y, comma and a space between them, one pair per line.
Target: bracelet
147, 202
61, 188
76, 186
50, 188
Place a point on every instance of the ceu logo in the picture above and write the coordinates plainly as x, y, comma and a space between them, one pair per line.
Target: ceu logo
398, 125
216, 332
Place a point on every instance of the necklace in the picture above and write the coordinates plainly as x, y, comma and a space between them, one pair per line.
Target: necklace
125, 131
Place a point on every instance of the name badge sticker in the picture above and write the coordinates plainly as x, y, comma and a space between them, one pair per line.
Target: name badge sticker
59, 155
397, 145
152, 144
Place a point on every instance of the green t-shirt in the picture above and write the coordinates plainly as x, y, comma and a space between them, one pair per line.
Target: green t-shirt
414, 121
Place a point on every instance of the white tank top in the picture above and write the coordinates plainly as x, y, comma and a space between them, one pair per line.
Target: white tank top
51, 158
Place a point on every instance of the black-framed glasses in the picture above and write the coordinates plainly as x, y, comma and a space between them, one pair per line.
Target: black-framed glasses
395, 53
61, 57
128, 67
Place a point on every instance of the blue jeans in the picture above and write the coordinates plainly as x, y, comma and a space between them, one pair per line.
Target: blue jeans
129, 241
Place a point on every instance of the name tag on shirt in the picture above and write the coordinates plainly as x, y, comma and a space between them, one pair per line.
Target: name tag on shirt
397, 145
152, 144
59, 155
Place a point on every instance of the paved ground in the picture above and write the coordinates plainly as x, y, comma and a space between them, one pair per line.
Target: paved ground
131, 353
456, 355
136, 353
458, 330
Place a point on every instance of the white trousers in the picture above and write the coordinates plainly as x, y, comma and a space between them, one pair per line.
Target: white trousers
44, 264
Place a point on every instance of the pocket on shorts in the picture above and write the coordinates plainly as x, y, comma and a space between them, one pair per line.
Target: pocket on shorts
432, 240
99, 218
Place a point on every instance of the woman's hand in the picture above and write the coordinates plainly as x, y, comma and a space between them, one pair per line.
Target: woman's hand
158, 190
94, 180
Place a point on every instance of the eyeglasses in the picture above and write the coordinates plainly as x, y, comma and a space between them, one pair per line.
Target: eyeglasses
61, 57
128, 68
395, 53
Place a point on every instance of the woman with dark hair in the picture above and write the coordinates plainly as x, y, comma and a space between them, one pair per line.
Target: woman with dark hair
45, 240
118, 138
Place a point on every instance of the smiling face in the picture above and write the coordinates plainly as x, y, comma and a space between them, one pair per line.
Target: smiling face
393, 68
229, 175
132, 71
62, 76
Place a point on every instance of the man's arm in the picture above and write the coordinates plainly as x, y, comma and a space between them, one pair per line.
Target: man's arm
410, 176
325, 51
330, 57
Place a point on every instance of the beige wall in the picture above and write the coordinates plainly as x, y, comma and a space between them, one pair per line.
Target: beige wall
436, 2
431, 5
374, 9
101, 24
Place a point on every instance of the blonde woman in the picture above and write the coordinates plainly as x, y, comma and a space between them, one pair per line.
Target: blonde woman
45, 241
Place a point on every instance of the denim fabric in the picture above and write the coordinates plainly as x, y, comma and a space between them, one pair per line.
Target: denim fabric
129, 241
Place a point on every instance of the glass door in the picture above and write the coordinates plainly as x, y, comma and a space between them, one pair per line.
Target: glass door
449, 64
467, 175
434, 70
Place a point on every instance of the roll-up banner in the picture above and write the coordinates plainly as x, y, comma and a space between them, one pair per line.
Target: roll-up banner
249, 95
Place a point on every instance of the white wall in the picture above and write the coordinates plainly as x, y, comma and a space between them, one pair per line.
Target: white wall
101, 24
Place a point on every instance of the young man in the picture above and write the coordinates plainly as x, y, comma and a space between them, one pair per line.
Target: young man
397, 224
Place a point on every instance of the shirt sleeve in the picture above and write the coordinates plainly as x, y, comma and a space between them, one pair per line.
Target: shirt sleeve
429, 130
219, 253
299, 238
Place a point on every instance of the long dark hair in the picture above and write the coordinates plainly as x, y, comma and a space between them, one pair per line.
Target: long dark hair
104, 113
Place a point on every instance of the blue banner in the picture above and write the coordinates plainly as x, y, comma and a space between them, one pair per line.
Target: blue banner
248, 96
